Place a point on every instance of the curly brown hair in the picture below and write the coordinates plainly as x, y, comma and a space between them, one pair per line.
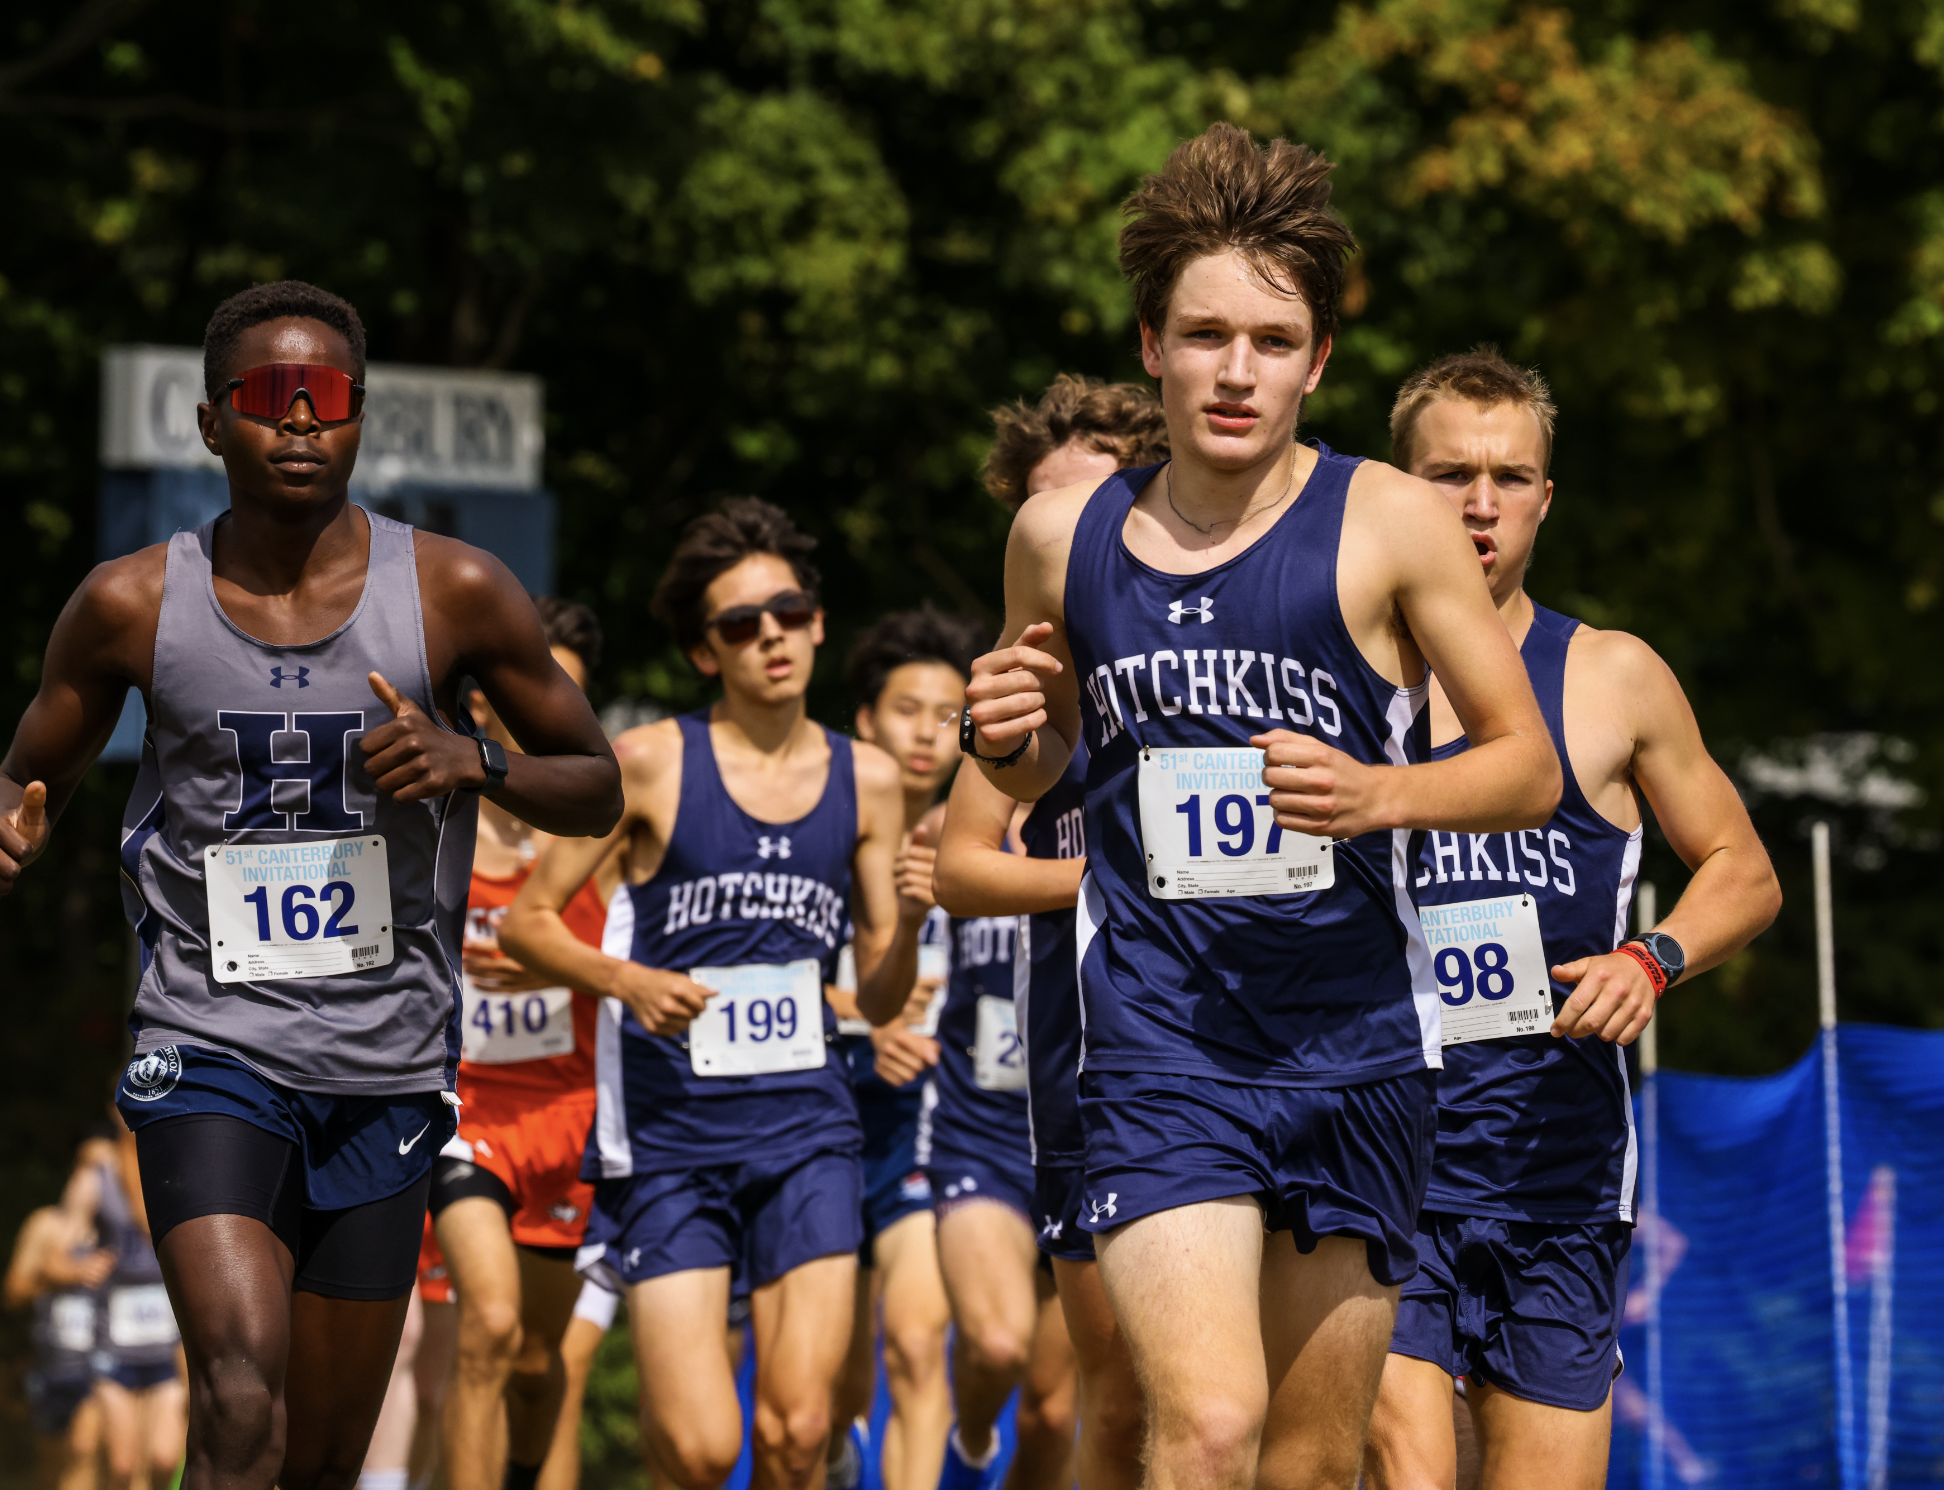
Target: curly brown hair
1123, 420
1482, 376
1223, 191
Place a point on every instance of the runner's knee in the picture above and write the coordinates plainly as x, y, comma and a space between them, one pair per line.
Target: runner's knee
694, 1459
996, 1346
914, 1354
1217, 1435
795, 1432
490, 1332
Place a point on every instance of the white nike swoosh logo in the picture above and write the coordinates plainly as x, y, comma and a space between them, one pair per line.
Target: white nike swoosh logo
405, 1144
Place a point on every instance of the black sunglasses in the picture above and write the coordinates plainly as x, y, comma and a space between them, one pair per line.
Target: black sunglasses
741, 623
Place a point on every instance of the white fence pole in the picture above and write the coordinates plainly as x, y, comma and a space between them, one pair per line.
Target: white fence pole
1646, 914
1833, 1157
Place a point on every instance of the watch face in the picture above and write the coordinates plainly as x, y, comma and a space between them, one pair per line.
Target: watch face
1667, 952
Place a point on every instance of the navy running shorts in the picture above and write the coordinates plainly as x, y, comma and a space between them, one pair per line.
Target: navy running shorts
1058, 1191
958, 1178
895, 1185
353, 1150
1323, 1161
1533, 1307
757, 1219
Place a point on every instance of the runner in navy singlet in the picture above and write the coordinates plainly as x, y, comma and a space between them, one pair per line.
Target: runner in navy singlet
1080, 428
294, 861
1261, 1027
907, 673
1524, 1239
725, 1142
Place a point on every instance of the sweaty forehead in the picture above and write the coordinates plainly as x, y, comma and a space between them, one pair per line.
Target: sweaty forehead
1232, 287
1458, 430
750, 581
292, 339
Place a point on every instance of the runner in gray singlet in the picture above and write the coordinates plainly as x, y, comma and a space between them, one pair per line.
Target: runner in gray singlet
258, 746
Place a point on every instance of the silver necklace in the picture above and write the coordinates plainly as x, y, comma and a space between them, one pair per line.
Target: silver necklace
1208, 532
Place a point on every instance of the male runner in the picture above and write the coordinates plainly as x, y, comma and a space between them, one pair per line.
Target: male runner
726, 1142
907, 673
1525, 1233
294, 856
977, 1145
1080, 429
508, 1202
1243, 635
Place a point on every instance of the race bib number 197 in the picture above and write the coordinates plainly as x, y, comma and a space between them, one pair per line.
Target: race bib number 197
1490, 963
762, 1019
298, 910
1207, 830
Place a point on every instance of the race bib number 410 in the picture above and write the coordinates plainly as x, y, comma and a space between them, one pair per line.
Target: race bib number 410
762, 1019
298, 910
1208, 832
502, 1028
1490, 963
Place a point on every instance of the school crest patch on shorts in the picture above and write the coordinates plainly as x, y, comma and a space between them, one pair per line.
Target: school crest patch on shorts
152, 1076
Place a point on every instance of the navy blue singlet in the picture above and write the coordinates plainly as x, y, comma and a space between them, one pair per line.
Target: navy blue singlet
1045, 981
966, 1118
1283, 990
732, 890
1531, 1128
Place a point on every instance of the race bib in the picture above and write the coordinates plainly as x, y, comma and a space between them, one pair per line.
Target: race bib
501, 1028
998, 1059
139, 1316
71, 1322
1208, 832
298, 910
1490, 963
761, 1020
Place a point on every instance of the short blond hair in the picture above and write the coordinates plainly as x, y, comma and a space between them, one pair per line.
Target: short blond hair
1482, 376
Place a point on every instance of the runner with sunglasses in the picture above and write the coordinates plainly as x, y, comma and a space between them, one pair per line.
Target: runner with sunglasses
726, 1137
295, 857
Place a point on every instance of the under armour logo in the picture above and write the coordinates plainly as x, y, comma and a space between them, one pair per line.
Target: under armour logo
1104, 1207
767, 846
278, 677
634, 1257
1206, 610
1050, 1232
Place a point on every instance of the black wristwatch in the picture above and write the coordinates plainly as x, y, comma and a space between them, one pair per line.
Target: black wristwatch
492, 759
969, 744
1667, 956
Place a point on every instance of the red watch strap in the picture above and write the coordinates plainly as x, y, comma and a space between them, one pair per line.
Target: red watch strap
1656, 974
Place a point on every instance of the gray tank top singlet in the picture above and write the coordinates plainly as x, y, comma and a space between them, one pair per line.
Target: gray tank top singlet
256, 746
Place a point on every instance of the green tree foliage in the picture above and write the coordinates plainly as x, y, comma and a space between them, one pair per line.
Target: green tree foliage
800, 247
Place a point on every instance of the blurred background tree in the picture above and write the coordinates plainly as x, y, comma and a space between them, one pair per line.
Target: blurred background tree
801, 247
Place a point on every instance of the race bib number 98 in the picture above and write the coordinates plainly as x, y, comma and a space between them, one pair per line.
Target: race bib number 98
298, 910
1208, 832
1490, 963
761, 1020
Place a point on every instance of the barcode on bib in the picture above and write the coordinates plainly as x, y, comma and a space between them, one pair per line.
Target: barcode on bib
364, 956
1304, 871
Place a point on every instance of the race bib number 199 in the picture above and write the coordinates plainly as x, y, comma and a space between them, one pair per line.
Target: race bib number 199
762, 1019
1490, 963
1207, 830
298, 910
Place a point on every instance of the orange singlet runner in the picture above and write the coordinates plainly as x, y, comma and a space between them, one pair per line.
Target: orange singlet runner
526, 1082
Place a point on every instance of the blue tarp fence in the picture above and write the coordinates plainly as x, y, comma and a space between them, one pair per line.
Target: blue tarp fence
1785, 1324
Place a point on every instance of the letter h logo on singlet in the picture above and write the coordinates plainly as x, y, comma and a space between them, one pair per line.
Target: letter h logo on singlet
294, 771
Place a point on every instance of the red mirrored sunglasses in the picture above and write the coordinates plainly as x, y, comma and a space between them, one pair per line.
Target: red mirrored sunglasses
267, 392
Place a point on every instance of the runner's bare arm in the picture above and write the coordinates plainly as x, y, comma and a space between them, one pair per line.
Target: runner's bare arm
1027, 684
977, 877
1405, 551
885, 936
534, 935
1733, 896
102, 644
480, 623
